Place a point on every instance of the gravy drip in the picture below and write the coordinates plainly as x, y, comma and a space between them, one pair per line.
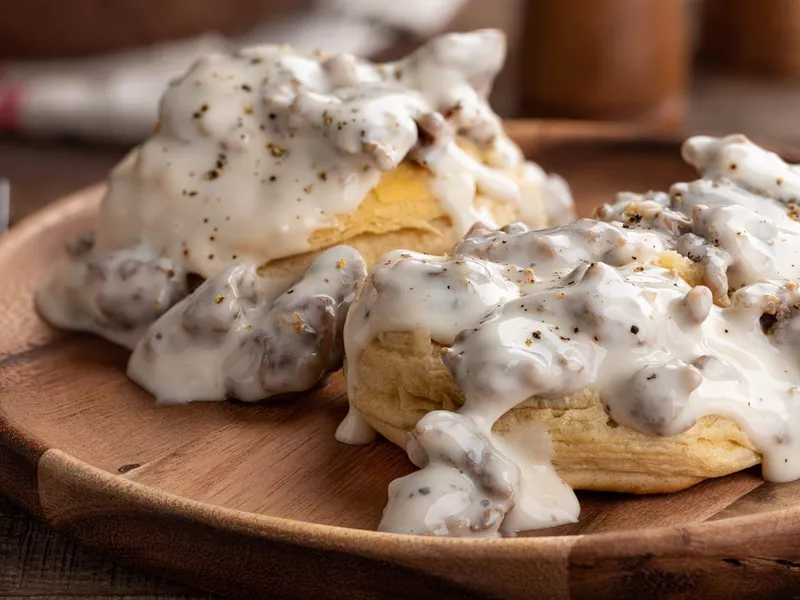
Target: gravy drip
239, 335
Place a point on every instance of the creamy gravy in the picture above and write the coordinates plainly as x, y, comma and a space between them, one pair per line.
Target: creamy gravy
272, 144
240, 335
116, 294
546, 313
740, 221
257, 150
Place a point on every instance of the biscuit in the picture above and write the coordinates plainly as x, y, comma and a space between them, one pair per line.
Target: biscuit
401, 377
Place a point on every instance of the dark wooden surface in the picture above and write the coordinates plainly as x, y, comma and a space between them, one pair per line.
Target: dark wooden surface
36, 563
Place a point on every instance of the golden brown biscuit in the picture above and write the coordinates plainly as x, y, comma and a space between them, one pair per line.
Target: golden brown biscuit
401, 212
401, 377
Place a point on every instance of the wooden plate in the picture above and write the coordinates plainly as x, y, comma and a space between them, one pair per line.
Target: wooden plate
261, 500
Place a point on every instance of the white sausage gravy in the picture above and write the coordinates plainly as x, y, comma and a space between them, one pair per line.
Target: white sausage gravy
271, 144
238, 336
254, 152
545, 313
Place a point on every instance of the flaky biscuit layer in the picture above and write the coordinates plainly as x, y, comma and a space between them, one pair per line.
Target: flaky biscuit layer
401, 377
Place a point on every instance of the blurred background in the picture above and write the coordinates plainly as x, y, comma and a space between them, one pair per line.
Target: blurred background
80, 79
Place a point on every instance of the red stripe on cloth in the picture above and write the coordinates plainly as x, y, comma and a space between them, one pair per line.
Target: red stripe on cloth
10, 102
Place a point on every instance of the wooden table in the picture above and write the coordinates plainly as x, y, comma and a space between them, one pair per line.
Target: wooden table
37, 564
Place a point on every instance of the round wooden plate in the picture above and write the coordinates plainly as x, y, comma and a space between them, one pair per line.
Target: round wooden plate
261, 501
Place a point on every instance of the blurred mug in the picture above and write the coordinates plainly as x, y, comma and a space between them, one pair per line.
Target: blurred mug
609, 60
761, 37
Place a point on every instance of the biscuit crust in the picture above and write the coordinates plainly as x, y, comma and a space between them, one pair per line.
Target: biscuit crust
401, 377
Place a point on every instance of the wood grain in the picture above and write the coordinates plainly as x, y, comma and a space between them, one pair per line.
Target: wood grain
256, 499
260, 451
766, 497
55, 563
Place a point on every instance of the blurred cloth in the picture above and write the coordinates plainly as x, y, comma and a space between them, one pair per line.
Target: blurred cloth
115, 97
